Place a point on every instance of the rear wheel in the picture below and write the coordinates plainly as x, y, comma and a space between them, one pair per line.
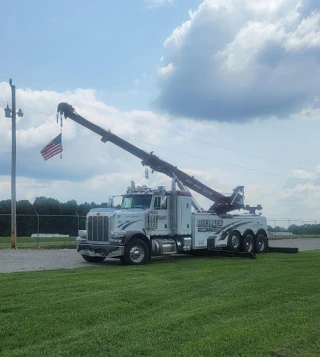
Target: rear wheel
247, 243
234, 241
136, 253
260, 244
87, 258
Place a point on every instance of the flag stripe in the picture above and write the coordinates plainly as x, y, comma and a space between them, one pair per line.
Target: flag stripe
52, 152
53, 148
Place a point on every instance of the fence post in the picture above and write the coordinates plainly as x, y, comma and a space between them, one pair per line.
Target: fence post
78, 221
38, 228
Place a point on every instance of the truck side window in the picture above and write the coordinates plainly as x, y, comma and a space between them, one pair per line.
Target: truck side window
157, 202
163, 200
160, 202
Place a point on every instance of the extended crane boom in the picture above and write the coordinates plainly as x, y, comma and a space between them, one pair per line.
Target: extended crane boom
222, 204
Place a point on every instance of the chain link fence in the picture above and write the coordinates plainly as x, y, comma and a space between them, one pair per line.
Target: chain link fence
42, 230
60, 231
299, 228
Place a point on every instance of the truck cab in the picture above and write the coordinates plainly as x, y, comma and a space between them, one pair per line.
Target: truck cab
158, 218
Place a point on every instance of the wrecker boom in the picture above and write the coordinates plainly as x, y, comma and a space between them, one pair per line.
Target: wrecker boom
222, 204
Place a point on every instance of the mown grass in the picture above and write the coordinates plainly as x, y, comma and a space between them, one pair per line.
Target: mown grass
172, 307
35, 242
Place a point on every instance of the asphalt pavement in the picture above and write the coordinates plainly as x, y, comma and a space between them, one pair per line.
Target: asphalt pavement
300, 243
51, 259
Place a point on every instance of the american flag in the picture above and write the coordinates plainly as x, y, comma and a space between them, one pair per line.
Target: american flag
53, 148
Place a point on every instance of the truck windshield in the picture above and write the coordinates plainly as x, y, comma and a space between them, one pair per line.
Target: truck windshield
136, 201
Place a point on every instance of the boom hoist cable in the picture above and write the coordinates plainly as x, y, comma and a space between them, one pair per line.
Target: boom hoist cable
222, 203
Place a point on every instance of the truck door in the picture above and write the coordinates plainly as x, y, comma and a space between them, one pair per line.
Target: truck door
185, 215
161, 206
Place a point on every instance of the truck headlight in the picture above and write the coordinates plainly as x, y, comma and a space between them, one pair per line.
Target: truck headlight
81, 239
117, 237
120, 234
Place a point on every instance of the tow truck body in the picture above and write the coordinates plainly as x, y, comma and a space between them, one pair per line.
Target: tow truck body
154, 222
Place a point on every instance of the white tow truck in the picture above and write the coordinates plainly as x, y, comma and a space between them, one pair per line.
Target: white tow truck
153, 222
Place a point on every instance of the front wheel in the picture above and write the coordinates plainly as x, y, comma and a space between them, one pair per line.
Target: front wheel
90, 259
234, 241
136, 253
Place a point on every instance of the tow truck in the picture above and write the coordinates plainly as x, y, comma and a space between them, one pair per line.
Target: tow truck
153, 222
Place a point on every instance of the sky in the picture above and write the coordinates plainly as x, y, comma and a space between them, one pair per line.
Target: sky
227, 90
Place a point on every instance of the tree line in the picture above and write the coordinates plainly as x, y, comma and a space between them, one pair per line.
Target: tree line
299, 230
54, 216
66, 218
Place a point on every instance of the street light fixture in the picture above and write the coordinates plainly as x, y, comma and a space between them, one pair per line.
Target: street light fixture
12, 114
19, 112
8, 111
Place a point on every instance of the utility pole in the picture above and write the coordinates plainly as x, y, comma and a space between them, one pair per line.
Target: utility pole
12, 114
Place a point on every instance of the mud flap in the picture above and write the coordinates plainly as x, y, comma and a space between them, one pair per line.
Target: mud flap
223, 253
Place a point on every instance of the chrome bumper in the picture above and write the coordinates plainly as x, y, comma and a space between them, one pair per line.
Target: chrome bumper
94, 250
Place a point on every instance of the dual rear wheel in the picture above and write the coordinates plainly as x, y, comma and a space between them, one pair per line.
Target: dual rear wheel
248, 243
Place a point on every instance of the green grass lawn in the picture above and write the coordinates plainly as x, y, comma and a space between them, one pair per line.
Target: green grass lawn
184, 307
31, 242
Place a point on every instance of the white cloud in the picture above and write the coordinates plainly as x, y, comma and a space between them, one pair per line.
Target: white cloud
165, 71
84, 157
158, 3
309, 112
301, 194
89, 167
303, 175
300, 176
307, 34
91, 171
237, 60
306, 195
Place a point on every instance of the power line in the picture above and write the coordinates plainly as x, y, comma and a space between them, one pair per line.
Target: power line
201, 141
25, 84
4, 104
38, 111
208, 159
186, 137
196, 156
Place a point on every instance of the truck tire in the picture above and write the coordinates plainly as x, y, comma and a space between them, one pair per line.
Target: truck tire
89, 259
260, 244
136, 253
234, 241
247, 243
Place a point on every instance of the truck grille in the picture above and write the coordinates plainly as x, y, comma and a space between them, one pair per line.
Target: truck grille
152, 220
98, 228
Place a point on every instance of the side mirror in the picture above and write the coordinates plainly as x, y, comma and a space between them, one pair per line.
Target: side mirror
110, 202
